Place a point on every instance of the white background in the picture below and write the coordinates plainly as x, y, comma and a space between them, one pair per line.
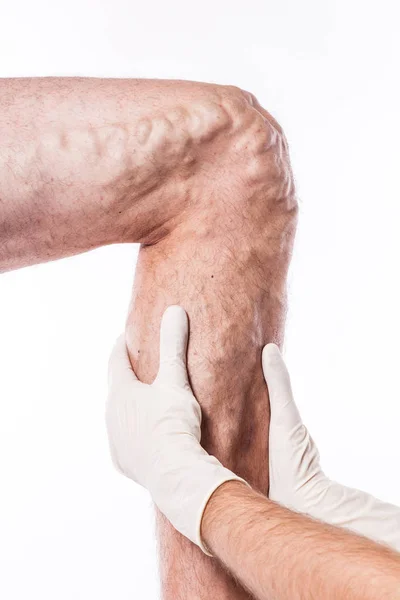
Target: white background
70, 527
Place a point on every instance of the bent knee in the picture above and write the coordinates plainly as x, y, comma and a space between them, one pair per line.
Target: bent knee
217, 154
250, 161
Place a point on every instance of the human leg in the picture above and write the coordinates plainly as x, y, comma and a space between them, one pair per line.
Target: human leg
225, 261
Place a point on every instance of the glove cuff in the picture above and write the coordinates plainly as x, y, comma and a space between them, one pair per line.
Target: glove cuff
225, 476
185, 487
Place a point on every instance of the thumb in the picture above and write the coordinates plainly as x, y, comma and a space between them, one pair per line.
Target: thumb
174, 335
284, 412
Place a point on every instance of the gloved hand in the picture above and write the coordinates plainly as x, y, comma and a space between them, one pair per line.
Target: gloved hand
296, 478
154, 431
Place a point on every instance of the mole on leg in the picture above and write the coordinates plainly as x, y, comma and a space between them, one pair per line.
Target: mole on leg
236, 227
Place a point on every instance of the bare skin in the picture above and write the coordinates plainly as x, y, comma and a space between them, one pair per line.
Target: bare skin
200, 175
226, 263
277, 553
84, 162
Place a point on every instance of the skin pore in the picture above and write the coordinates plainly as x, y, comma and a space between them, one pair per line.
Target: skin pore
200, 175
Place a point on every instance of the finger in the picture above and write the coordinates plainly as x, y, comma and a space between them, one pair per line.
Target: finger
284, 412
174, 334
119, 367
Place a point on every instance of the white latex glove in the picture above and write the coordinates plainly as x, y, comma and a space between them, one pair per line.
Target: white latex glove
154, 431
296, 478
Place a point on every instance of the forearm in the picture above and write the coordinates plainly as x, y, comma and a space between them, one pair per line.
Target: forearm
87, 162
276, 553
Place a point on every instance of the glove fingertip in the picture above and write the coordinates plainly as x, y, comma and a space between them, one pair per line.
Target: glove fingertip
174, 334
175, 317
271, 356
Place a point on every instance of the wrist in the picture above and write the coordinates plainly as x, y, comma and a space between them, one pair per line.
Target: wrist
219, 510
183, 490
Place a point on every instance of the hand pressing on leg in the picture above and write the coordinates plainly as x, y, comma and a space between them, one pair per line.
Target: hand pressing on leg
296, 477
224, 259
155, 434
155, 440
179, 474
